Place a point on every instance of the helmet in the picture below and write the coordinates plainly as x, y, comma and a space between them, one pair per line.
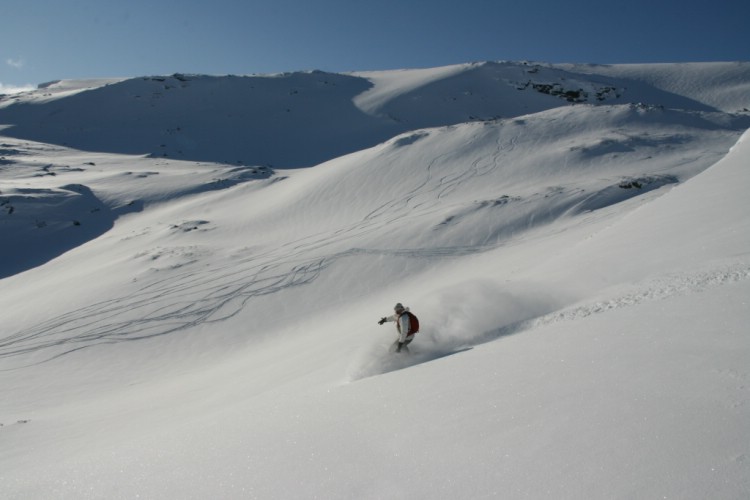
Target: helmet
398, 307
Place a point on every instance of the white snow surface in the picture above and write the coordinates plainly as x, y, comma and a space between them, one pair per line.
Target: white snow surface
192, 269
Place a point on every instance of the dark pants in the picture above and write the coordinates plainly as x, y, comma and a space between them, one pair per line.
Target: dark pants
404, 346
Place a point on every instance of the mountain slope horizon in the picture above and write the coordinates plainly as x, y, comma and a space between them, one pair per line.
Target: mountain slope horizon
302, 119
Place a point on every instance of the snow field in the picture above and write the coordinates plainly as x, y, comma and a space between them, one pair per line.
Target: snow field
580, 273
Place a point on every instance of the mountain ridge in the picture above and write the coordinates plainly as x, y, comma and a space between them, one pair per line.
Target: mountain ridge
179, 116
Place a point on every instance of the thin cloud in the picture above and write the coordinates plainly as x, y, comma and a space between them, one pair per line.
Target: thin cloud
15, 63
15, 89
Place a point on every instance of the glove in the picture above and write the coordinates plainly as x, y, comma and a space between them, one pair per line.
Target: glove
382, 320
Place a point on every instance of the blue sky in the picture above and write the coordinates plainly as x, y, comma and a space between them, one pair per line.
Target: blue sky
43, 40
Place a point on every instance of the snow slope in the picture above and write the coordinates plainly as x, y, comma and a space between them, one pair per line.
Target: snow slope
574, 240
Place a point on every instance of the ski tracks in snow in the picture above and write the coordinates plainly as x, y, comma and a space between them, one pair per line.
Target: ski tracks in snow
654, 289
376, 361
193, 296
165, 306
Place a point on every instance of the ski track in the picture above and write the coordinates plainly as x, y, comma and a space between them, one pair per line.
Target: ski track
435, 190
194, 297
377, 361
190, 298
659, 288
208, 295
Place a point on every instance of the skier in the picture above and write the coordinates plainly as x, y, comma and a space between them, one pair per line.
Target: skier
407, 325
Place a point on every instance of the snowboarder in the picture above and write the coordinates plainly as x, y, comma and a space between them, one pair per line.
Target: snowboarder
407, 325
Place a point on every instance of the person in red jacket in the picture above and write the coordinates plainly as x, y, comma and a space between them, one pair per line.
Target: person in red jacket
406, 324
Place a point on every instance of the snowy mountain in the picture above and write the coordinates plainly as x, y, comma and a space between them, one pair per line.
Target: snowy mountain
194, 266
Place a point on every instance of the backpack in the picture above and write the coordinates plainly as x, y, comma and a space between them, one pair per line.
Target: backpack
413, 323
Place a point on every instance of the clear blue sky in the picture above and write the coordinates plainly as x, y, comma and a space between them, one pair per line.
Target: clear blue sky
43, 40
